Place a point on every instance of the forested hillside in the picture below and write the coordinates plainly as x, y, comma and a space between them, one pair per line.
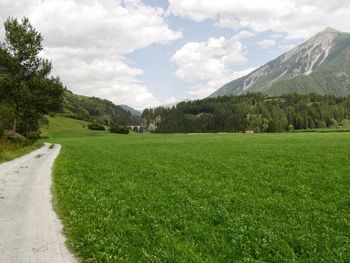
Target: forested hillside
131, 110
96, 110
255, 111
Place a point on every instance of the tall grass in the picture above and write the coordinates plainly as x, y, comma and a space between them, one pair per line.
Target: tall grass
10, 151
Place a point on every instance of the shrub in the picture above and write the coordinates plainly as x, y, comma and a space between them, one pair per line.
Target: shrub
344, 123
290, 127
96, 127
34, 135
119, 129
15, 138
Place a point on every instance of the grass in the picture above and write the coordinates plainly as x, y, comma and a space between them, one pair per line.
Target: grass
59, 125
338, 129
65, 127
203, 198
9, 151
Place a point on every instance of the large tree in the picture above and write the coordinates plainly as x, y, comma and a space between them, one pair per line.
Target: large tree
25, 82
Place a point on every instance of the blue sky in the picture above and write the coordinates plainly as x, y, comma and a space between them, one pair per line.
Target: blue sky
159, 71
146, 53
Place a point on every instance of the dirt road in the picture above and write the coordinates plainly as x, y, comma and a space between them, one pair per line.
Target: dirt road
29, 228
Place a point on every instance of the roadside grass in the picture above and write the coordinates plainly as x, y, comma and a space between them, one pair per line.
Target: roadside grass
203, 198
10, 151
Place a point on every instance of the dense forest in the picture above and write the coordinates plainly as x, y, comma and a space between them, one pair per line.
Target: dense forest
251, 112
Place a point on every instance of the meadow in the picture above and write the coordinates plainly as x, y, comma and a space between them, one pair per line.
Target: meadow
203, 197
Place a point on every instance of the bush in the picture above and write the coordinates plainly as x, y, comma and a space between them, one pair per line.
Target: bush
344, 123
290, 127
34, 135
96, 127
119, 129
15, 138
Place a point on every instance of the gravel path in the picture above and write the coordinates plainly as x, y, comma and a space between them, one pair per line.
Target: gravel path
29, 228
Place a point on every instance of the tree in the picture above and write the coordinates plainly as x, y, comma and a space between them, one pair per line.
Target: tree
25, 81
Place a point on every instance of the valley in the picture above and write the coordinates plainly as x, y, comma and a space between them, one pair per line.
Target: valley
121, 142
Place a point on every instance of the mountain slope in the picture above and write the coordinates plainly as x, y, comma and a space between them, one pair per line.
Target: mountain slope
96, 110
131, 110
320, 65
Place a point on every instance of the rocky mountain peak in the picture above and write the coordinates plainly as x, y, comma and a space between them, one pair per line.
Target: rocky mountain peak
320, 65
330, 30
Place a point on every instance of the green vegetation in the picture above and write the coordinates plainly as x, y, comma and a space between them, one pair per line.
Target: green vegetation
131, 110
252, 112
96, 110
96, 127
27, 91
119, 129
10, 151
201, 197
66, 128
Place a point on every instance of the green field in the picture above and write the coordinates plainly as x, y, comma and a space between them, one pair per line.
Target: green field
203, 198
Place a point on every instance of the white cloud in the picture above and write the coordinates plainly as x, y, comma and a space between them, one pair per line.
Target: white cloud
287, 47
88, 39
266, 43
210, 64
277, 36
297, 18
201, 89
171, 100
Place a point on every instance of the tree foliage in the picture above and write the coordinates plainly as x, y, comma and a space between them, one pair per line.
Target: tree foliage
255, 111
26, 87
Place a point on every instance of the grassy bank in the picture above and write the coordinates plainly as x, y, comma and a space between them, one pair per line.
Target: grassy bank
10, 151
59, 125
203, 198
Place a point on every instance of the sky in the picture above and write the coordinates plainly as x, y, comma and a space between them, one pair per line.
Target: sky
145, 53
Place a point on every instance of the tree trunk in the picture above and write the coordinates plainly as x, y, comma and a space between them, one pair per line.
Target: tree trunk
14, 125
16, 114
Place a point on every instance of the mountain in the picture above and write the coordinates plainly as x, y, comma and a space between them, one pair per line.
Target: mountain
131, 110
321, 65
96, 110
